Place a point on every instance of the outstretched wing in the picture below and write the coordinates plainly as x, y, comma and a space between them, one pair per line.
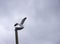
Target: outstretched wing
23, 20
16, 24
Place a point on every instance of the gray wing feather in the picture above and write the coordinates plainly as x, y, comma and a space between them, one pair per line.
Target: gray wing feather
23, 20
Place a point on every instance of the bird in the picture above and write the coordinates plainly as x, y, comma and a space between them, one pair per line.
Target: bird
22, 22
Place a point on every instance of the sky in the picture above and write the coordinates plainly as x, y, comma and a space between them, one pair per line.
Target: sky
42, 24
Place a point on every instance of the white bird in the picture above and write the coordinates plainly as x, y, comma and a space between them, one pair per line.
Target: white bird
22, 22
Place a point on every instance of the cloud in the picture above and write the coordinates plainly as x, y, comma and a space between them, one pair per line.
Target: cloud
41, 27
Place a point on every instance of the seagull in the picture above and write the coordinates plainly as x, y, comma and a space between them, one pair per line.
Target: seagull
22, 22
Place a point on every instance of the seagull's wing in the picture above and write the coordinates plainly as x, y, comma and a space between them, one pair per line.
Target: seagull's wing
23, 20
16, 24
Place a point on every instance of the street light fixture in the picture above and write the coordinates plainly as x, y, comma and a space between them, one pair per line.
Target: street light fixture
19, 28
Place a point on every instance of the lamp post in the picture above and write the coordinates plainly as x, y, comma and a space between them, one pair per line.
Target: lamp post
16, 33
19, 28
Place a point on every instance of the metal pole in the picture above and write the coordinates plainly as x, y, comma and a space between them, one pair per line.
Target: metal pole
16, 36
16, 33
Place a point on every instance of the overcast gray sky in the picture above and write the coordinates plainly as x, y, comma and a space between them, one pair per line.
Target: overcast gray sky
41, 27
